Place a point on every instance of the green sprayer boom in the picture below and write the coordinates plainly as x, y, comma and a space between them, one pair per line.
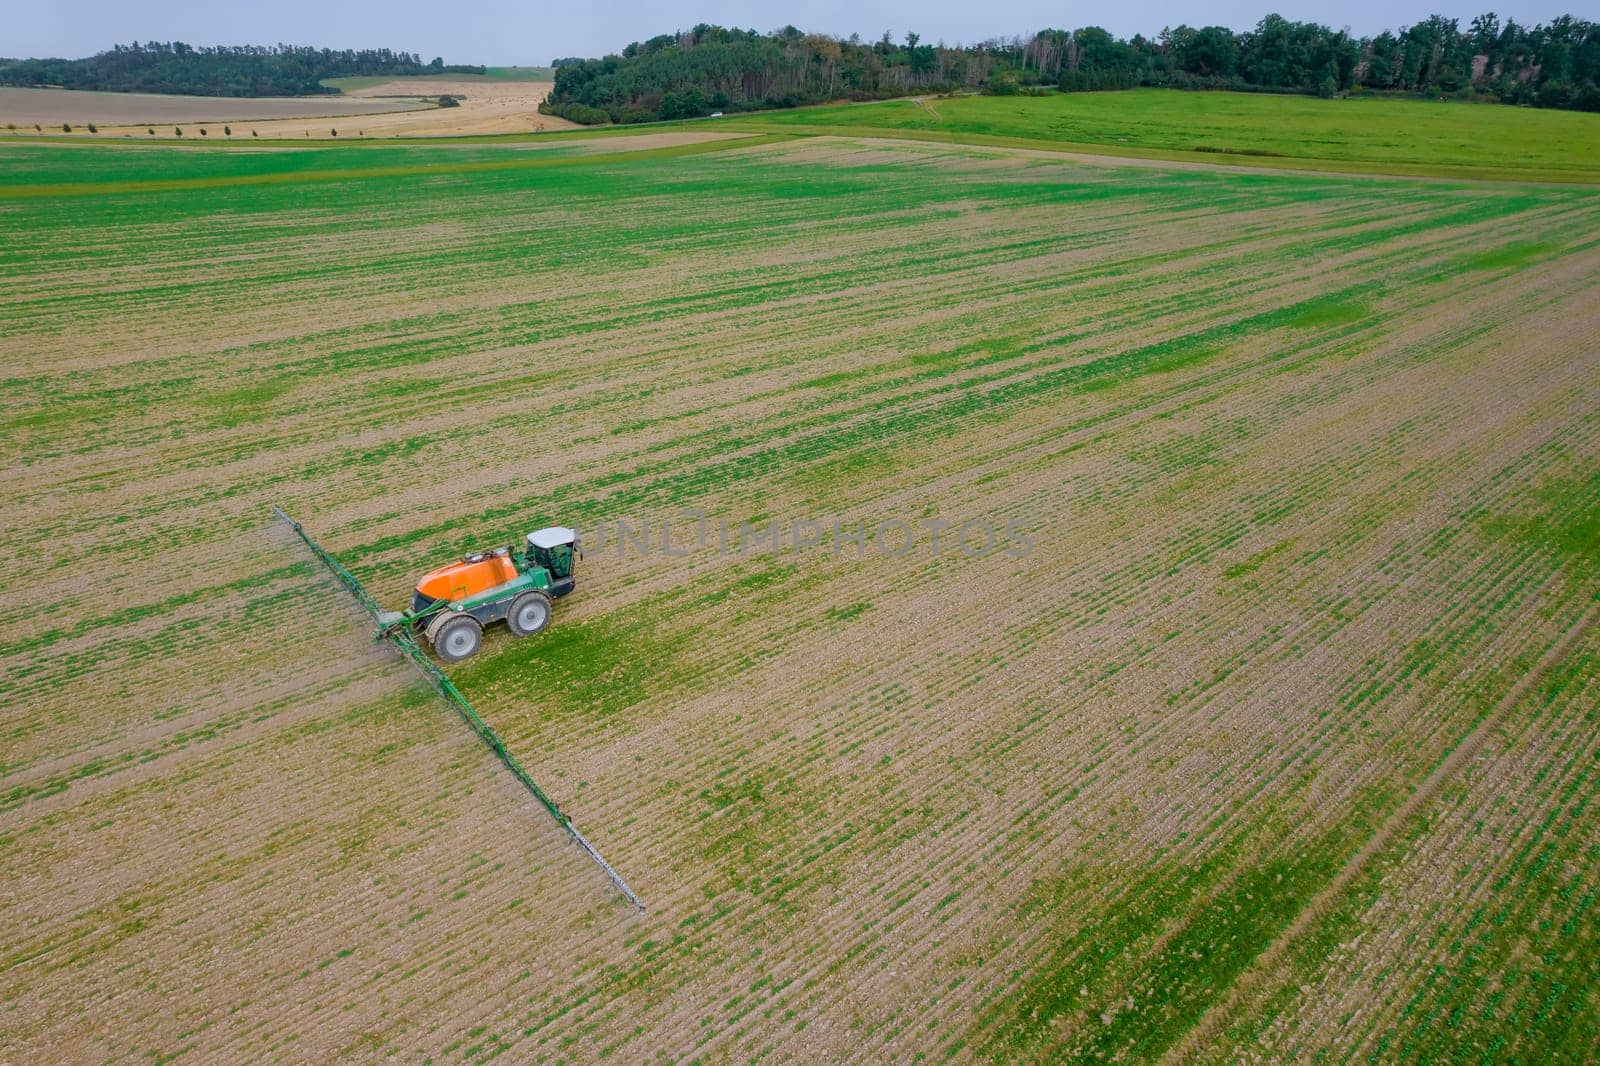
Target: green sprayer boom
401, 639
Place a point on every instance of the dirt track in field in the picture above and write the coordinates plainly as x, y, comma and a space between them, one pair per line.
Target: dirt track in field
1298, 461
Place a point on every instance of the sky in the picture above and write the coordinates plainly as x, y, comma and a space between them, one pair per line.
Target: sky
532, 32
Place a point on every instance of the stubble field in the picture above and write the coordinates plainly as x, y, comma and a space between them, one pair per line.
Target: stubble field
1273, 737
370, 108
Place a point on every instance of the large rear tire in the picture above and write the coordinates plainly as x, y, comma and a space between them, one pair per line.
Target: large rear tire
530, 612
457, 637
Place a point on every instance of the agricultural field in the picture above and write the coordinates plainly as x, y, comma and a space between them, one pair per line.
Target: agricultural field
23, 108
503, 102
490, 74
1357, 135
1247, 709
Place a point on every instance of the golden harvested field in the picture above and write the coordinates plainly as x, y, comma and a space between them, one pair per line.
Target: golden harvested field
485, 107
1264, 729
400, 107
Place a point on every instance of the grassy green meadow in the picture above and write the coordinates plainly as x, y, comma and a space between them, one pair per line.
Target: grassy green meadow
1274, 735
1359, 134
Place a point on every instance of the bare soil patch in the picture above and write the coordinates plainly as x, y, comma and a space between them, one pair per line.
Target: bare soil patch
52, 107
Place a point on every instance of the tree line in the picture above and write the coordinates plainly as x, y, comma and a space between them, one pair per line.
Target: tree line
711, 68
242, 70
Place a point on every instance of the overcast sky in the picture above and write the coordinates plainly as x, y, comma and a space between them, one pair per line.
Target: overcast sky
531, 32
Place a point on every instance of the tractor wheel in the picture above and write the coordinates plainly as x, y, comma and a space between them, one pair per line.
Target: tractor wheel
431, 627
530, 612
458, 638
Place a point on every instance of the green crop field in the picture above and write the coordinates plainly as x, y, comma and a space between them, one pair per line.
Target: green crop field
1248, 708
1359, 134
520, 73
370, 81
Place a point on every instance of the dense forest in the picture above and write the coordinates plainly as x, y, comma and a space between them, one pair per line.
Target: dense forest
711, 68
247, 70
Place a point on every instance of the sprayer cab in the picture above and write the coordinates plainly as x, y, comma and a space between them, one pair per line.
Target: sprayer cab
554, 549
453, 603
